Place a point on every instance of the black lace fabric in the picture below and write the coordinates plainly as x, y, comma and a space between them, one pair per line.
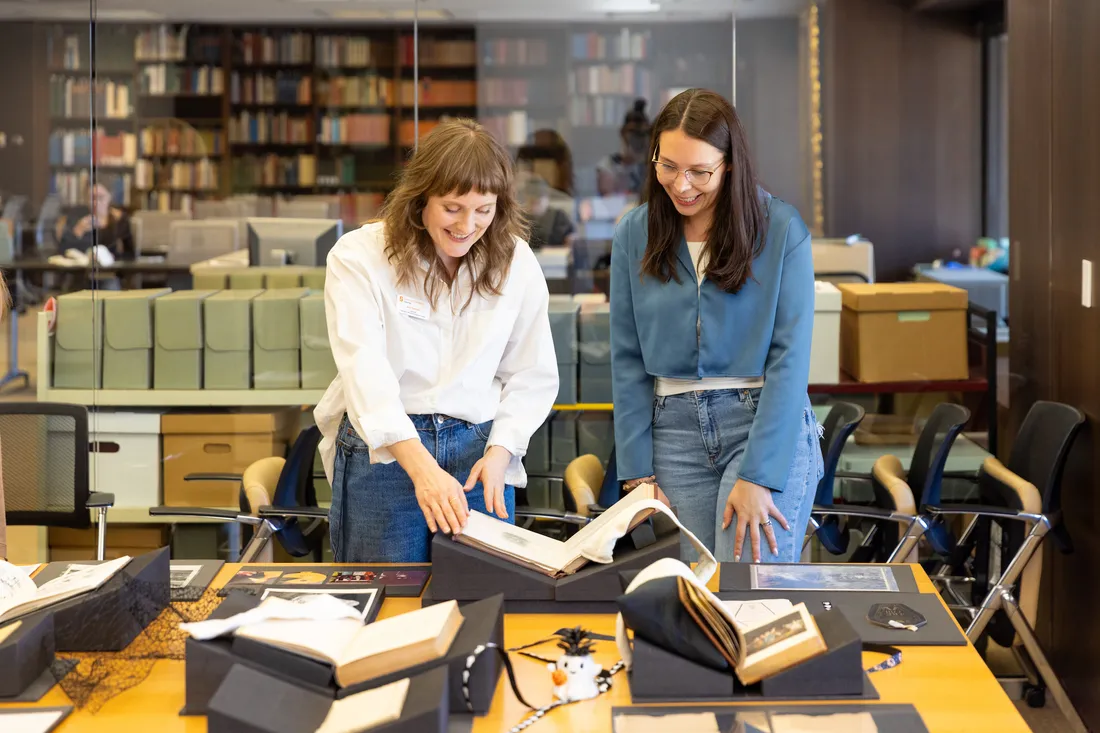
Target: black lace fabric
91, 679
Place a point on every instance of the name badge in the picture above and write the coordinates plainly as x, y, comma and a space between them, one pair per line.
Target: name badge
412, 307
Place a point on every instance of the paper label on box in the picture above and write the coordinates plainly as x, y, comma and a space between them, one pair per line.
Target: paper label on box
913, 316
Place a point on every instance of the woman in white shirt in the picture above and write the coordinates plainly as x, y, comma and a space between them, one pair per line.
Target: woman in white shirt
437, 319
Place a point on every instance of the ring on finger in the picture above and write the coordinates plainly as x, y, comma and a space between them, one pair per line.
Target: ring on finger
766, 524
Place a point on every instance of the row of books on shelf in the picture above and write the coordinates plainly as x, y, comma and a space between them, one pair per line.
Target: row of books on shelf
514, 128
73, 186
599, 111
336, 172
271, 171
282, 87
114, 49
161, 79
72, 97
437, 52
434, 93
351, 52
178, 175
628, 78
366, 90
355, 129
262, 127
169, 140
77, 147
165, 43
625, 45
258, 49
166, 201
509, 91
515, 52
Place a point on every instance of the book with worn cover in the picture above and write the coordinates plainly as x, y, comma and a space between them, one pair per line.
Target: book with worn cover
758, 650
359, 652
19, 595
554, 557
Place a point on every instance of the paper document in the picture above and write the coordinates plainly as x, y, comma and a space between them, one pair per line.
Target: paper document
753, 613
678, 722
366, 710
319, 608
30, 721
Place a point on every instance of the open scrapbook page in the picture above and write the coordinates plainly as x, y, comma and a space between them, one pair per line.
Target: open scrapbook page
19, 595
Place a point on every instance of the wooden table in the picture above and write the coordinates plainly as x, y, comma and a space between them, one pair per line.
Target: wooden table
951, 687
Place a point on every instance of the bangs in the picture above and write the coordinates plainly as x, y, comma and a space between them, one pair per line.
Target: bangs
479, 168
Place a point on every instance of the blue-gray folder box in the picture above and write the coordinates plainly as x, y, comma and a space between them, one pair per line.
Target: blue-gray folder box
563, 326
78, 340
178, 326
594, 330
227, 330
318, 365
276, 339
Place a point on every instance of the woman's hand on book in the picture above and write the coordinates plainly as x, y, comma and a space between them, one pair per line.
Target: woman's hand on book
490, 471
755, 510
441, 499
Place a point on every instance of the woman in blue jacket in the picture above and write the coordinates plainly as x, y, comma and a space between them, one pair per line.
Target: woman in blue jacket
712, 308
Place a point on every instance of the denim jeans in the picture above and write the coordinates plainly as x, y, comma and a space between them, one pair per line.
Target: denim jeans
375, 516
699, 439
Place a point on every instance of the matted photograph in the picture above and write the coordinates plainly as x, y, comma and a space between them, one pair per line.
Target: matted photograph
367, 601
783, 628
782, 576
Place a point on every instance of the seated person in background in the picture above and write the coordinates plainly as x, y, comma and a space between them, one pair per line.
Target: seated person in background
550, 226
112, 223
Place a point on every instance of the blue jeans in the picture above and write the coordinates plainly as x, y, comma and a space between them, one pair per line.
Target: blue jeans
375, 516
699, 439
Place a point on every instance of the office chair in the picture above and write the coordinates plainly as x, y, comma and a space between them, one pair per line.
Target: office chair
841, 422
898, 526
45, 468
1021, 504
275, 493
581, 484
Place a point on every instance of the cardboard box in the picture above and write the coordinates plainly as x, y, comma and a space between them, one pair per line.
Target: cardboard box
563, 324
276, 339
825, 349
903, 332
78, 343
124, 457
318, 366
177, 358
227, 330
595, 353
221, 443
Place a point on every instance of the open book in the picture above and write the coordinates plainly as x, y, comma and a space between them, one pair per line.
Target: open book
554, 557
19, 595
757, 650
359, 652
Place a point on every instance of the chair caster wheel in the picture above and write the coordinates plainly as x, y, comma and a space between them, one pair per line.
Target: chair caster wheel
1035, 696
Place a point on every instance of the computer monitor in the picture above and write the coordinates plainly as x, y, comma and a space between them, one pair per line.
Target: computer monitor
197, 241
152, 229
304, 242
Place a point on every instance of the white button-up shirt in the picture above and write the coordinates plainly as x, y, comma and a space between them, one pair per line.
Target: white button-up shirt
396, 355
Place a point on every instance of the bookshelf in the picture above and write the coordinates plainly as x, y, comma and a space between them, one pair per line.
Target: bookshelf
185, 112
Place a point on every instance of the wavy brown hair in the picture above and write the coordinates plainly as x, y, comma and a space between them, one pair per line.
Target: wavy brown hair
456, 157
739, 228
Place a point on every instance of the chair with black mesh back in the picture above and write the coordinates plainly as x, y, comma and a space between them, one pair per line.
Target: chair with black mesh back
840, 423
898, 494
998, 555
44, 449
276, 496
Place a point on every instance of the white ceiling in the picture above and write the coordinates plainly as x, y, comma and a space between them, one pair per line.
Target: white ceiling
375, 11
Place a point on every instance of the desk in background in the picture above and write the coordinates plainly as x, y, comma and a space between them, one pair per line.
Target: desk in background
951, 687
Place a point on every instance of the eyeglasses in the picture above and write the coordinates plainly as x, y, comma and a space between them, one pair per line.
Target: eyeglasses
694, 176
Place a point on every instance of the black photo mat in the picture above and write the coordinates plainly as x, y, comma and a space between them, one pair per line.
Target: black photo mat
367, 601
759, 718
940, 629
400, 581
737, 576
188, 578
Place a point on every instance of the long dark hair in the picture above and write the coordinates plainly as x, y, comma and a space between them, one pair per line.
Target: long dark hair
737, 232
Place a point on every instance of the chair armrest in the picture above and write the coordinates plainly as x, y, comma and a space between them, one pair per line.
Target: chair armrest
100, 500
853, 476
995, 512
595, 510
865, 512
304, 512
964, 475
213, 477
551, 515
228, 515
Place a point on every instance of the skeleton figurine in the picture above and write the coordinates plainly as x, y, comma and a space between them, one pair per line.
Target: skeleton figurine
576, 675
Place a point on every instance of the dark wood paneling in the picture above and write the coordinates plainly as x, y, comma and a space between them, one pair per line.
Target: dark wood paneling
17, 123
1075, 217
902, 127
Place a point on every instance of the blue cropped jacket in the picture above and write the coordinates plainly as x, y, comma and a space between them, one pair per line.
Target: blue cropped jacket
763, 330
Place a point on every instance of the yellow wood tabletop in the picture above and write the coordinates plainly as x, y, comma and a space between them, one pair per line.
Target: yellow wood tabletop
951, 687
